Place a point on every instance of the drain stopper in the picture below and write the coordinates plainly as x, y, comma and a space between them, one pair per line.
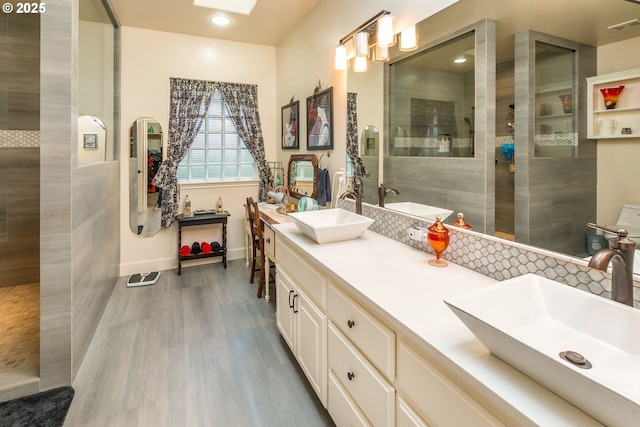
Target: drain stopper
576, 359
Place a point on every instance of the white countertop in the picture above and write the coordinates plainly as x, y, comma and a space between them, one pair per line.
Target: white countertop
404, 290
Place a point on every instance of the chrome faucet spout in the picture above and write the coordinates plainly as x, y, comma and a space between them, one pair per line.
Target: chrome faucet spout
620, 254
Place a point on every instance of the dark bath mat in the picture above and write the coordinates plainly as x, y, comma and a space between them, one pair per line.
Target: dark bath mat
46, 409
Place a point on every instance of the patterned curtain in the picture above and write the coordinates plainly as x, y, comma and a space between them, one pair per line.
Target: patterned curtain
189, 103
242, 101
359, 170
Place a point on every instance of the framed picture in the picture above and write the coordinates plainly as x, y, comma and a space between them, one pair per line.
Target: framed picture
320, 120
90, 141
290, 126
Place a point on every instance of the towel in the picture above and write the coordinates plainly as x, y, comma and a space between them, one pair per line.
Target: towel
324, 187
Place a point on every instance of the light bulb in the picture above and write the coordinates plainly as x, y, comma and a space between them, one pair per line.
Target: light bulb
360, 64
385, 30
341, 57
408, 39
362, 44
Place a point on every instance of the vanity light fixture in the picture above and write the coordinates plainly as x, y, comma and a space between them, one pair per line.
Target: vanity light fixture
381, 53
377, 31
408, 39
341, 57
360, 64
384, 31
220, 20
362, 44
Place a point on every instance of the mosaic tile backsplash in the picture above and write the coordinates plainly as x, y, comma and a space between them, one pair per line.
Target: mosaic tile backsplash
493, 257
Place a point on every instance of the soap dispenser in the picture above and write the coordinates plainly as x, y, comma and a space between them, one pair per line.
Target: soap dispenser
438, 238
186, 210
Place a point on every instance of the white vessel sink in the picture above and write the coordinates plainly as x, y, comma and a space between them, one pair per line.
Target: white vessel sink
418, 209
528, 321
331, 225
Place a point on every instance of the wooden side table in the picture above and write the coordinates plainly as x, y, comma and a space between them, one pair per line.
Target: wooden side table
203, 219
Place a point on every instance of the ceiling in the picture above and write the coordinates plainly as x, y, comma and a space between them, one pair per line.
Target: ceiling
585, 21
267, 24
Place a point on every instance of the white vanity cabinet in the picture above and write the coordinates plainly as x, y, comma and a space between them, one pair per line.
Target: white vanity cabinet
362, 357
406, 416
434, 396
301, 295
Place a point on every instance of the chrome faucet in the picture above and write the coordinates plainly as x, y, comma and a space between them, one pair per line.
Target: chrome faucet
383, 191
620, 254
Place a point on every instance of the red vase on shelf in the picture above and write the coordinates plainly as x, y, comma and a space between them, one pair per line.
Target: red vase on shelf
438, 238
611, 95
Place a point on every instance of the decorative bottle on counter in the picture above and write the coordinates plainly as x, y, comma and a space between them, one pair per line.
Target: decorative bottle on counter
219, 207
438, 238
186, 210
460, 222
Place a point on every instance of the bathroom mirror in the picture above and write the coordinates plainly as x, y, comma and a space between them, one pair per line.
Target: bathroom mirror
145, 156
302, 175
369, 153
573, 20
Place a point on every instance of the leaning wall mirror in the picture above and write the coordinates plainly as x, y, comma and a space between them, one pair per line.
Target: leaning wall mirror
145, 156
302, 175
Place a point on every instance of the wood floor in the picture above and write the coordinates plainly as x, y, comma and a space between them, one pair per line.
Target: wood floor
192, 350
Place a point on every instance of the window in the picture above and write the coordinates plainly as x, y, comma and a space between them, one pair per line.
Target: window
217, 154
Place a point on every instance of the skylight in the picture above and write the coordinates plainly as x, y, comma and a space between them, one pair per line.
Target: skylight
243, 7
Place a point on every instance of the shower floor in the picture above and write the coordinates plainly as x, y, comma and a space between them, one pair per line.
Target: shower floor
19, 333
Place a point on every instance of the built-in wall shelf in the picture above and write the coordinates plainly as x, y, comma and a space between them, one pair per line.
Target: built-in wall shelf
626, 114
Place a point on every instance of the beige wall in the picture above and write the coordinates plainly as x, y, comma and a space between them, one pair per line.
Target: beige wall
618, 168
149, 59
306, 56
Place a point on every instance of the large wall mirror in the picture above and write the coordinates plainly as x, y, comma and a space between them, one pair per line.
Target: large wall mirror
146, 150
302, 175
463, 167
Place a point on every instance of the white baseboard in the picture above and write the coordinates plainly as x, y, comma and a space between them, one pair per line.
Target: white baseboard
130, 268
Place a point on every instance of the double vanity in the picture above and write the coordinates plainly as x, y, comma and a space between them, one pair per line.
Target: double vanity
368, 324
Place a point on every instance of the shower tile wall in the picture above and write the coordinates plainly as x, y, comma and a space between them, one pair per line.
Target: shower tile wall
19, 216
19, 148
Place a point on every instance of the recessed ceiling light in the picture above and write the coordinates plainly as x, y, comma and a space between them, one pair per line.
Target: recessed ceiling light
460, 60
220, 20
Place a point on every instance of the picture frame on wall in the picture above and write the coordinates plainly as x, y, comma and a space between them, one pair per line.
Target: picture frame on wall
290, 115
90, 141
320, 120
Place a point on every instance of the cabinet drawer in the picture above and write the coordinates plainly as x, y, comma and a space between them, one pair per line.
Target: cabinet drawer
341, 407
437, 399
303, 275
407, 417
269, 237
371, 392
373, 339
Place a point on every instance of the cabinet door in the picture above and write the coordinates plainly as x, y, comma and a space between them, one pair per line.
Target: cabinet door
311, 344
285, 299
435, 397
